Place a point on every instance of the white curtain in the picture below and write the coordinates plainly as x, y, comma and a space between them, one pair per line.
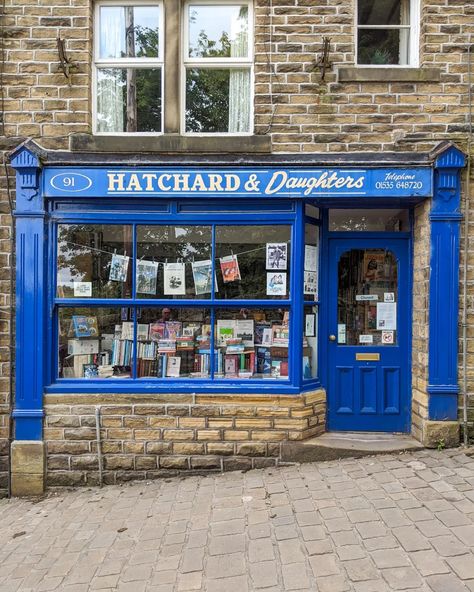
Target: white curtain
404, 57
110, 100
109, 81
239, 82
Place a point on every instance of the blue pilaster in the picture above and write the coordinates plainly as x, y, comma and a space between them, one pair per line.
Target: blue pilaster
30, 295
445, 218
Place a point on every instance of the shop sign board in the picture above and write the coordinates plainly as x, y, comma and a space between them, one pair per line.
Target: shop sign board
237, 182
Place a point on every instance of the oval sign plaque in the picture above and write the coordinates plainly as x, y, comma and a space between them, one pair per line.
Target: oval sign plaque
71, 182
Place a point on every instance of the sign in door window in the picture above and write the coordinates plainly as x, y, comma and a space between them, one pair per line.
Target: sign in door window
367, 298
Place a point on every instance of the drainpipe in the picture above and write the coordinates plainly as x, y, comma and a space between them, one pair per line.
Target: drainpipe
466, 246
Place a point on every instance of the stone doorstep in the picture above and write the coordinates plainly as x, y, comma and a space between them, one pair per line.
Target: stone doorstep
336, 445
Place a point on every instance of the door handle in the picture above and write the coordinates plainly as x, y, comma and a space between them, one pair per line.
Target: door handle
332, 338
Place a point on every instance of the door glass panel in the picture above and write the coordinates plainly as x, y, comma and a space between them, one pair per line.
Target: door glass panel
388, 220
367, 298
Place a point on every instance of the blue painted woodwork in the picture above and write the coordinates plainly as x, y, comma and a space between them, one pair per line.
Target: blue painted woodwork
30, 296
36, 219
236, 182
369, 395
445, 217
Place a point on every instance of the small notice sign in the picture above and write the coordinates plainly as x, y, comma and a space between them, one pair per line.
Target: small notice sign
82, 289
387, 337
366, 297
366, 339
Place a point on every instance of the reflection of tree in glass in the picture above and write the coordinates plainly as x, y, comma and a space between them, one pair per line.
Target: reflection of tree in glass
376, 47
85, 255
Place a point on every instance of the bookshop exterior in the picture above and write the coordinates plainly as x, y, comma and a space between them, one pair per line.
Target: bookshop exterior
203, 312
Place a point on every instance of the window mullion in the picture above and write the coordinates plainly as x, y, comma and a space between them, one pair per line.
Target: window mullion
172, 97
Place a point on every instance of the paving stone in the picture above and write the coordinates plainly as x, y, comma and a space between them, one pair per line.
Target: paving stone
189, 581
448, 546
264, 574
351, 552
285, 532
360, 570
411, 539
238, 584
231, 543
333, 584
290, 551
260, 550
429, 563
193, 560
318, 547
295, 577
324, 565
258, 531
222, 566
465, 534
368, 530
463, 566
228, 527
376, 543
452, 518
445, 583
402, 578
393, 558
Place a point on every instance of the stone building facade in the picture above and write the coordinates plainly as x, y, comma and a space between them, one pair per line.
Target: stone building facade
305, 104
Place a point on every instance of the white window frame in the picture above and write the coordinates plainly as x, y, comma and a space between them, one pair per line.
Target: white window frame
137, 63
414, 43
227, 63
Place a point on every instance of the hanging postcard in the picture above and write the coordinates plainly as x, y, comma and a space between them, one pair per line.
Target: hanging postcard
311, 282
276, 284
277, 255
174, 279
147, 272
202, 271
310, 258
230, 268
118, 268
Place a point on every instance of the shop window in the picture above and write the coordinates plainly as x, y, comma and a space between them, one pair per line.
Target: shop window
311, 297
387, 32
178, 302
129, 68
218, 59
214, 93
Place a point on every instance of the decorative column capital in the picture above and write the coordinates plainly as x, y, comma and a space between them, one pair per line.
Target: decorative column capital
27, 164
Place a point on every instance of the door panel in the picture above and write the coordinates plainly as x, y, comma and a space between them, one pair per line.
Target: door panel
369, 335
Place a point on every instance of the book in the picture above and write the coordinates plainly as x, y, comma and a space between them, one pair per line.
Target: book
225, 331
85, 326
142, 332
80, 347
167, 345
127, 330
173, 366
173, 329
157, 331
231, 365
281, 335
259, 331
244, 330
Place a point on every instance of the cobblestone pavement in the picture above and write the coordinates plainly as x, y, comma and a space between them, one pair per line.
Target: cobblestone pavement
396, 522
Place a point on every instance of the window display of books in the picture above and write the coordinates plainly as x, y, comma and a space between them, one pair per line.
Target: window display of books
243, 348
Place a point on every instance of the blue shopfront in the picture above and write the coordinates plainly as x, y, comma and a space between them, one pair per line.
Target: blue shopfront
272, 275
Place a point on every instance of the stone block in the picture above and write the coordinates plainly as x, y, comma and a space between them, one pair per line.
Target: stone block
443, 434
27, 457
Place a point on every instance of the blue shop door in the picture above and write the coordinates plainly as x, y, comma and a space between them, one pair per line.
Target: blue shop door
369, 335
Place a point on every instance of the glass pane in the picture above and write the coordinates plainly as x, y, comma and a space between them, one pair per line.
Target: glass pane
369, 220
129, 32
217, 100
311, 211
310, 342
382, 46
253, 261
173, 343
95, 343
383, 12
311, 262
129, 100
94, 261
218, 31
174, 262
367, 298
252, 343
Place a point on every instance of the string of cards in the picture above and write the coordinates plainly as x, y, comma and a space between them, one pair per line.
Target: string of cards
174, 274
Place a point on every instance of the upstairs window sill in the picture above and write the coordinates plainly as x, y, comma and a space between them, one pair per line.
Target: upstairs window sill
173, 143
388, 74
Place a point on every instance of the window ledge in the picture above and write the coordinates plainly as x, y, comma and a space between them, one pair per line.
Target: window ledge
388, 74
170, 143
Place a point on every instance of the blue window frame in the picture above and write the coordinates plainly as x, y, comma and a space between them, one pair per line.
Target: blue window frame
183, 213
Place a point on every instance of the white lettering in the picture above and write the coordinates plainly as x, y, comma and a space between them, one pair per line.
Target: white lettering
215, 182
181, 182
232, 182
134, 183
161, 185
279, 176
149, 178
116, 181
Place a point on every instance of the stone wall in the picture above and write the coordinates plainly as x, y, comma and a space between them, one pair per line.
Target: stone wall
145, 436
347, 112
